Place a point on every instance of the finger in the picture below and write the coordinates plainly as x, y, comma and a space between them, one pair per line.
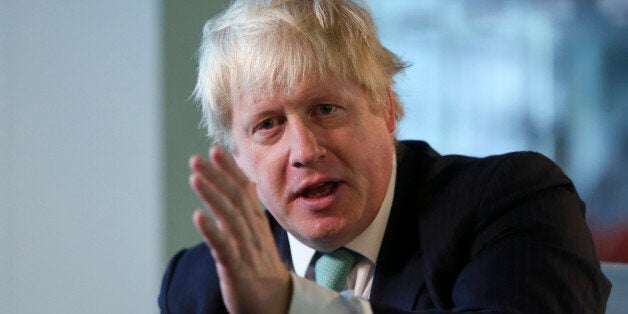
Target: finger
222, 180
224, 162
260, 219
231, 219
242, 194
241, 200
199, 165
213, 237
216, 179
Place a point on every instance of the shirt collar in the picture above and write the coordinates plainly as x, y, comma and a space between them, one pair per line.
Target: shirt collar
366, 244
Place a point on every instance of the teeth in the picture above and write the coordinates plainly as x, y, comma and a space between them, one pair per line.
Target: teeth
315, 195
316, 191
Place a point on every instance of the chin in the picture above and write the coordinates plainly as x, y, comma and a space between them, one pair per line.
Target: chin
325, 235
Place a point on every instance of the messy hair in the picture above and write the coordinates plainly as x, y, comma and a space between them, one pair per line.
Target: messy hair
270, 46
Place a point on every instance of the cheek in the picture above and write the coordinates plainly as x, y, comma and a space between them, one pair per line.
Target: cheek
248, 166
244, 165
265, 172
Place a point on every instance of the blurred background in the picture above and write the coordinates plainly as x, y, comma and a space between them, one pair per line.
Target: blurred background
96, 125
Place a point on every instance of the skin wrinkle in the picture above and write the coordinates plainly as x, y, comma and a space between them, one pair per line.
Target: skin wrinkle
324, 146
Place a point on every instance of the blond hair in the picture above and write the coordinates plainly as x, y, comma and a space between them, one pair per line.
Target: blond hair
269, 46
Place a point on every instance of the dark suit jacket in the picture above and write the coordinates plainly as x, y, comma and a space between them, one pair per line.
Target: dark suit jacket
502, 234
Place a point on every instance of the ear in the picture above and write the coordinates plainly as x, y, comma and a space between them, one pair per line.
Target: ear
389, 115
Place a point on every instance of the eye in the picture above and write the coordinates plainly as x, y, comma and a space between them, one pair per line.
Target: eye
267, 124
326, 109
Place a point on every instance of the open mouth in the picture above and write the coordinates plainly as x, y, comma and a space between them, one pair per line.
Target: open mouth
319, 190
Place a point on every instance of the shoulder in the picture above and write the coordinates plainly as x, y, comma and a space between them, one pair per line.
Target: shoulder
190, 283
473, 202
481, 177
476, 191
491, 229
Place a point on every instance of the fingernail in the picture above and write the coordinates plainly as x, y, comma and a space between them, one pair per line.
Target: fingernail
215, 149
192, 160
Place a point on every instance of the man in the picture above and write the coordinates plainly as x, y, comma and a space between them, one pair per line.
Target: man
300, 93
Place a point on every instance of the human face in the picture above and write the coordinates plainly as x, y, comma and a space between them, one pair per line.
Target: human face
320, 157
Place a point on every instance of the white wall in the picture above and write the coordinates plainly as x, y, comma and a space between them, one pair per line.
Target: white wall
80, 165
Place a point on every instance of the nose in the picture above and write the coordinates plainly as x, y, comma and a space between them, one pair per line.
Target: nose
305, 147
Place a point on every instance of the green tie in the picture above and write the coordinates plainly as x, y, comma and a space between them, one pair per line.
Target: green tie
332, 268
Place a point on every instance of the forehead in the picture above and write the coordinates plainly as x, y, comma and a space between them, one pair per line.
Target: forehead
308, 90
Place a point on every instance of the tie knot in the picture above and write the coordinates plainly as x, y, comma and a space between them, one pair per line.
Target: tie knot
332, 268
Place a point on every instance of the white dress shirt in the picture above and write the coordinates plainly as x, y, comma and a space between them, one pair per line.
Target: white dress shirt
308, 297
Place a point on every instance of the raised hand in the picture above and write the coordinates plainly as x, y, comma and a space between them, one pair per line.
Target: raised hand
252, 277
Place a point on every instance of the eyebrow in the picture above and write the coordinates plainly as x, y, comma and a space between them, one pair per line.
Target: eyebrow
320, 95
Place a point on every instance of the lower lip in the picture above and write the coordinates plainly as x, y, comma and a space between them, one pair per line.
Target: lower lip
318, 204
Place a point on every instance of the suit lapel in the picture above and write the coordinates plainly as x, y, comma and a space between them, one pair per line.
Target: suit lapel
400, 273
281, 240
